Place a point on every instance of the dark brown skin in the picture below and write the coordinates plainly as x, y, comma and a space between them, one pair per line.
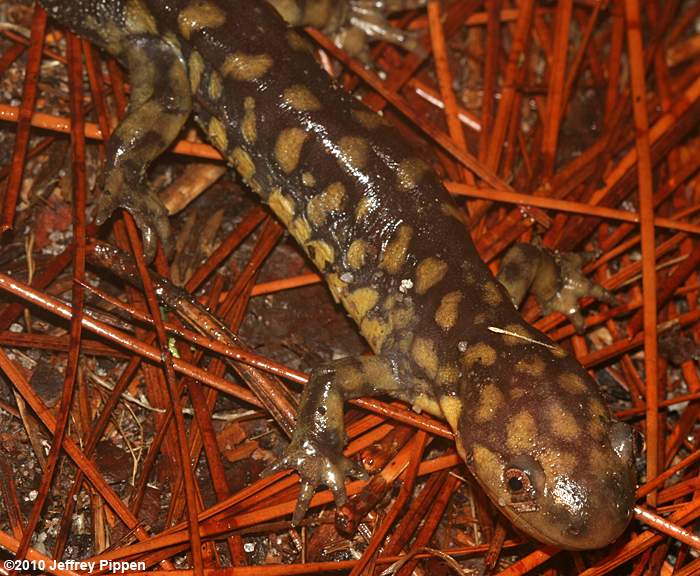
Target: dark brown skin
377, 222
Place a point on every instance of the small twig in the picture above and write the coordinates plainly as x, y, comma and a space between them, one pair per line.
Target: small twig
521, 337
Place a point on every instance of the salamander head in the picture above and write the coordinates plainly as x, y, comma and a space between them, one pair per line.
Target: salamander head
554, 461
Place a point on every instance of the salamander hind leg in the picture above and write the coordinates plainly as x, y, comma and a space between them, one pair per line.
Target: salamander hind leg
316, 447
159, 106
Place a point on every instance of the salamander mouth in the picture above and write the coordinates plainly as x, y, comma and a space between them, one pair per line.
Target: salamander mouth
519, 520
567, 536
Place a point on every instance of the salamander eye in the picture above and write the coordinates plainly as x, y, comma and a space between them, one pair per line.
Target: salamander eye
522, 492
523, 479
518, 482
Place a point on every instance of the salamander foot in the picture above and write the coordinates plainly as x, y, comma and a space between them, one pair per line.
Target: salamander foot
316, 467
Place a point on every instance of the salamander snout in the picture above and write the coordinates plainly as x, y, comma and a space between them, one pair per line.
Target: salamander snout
607, 516
594, 508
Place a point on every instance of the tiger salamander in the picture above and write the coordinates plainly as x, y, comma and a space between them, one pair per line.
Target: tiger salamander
376, 221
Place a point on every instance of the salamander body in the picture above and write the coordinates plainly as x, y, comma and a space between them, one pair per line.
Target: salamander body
376, 221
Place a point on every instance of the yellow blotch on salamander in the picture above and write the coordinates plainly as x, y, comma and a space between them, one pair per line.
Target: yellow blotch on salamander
353, 150
281, 205
357, 253
317, 13
244, 164
298, 43
300, 98
597, 408
599, 460
467, 274
249, 129
532, 365
490, 401
199, 14
487, 464
139, 19
423, 402
368, 119
300, 229
451, 408
596, 429
479, 318
336, 285
521, 431
424, 354
375, 331
178, 81
491, 294
561, 422
410, 173
362, 208
449, 209
447, 374
572, 383
288, 148
359, 302
217, 133
557, 462
290, 10
395, 253
379, 374
351, 377
308, 179
215, 86
246, 67
428, 273
195, 67
447, 312
479, 353
321, 253
321, 205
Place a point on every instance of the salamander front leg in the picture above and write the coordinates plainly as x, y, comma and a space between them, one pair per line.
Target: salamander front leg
519, 268
316, 448
370, 16
160, 104
555, 278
